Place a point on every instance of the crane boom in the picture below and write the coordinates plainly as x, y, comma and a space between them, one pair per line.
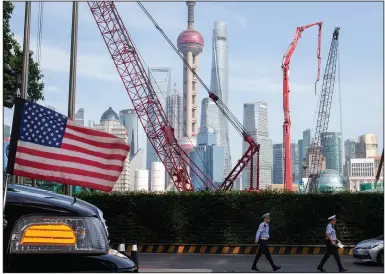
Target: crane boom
253, 145
325, 104
143, 97
288, 177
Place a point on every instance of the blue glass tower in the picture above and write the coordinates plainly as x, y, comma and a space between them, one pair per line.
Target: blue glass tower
209, 157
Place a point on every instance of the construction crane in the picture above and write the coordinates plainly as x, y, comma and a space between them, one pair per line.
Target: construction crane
325, 103
379, 169
288, 177
148, 108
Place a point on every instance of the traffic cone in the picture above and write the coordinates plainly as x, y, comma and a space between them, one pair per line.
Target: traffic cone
134, 254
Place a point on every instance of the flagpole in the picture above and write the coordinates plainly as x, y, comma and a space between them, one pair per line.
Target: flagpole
72, 82
24, 73
7, 177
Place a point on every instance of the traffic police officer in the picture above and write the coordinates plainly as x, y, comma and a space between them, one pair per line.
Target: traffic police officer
262, 238
331, 245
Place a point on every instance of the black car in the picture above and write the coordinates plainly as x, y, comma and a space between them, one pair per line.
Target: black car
50, 232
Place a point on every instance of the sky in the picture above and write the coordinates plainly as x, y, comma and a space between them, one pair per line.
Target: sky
258, 36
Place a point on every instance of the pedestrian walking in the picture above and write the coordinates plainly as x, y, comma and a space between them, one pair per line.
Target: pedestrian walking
262, 237
331, 245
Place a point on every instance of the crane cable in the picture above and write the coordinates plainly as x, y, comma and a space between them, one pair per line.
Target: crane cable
227, 113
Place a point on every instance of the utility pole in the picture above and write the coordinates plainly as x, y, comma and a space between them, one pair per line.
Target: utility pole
25, 69
72, 81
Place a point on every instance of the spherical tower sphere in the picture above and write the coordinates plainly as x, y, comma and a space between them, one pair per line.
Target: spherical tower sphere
330, 180
190, 40
188, 144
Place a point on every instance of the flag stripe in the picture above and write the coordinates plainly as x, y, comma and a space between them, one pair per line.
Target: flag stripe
60, 163
70, 155
42, 176
64, 175
97, 144
74, 126
93, 148
99, 139
68, 170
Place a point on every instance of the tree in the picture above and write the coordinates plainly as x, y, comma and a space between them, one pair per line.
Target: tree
13, 56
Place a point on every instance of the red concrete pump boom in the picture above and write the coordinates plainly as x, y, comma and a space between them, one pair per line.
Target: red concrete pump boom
288, 180
143, 97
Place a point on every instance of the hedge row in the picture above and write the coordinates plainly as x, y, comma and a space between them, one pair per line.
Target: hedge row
232, 218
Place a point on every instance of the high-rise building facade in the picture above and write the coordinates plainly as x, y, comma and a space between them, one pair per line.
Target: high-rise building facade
255, 122
208, 157
210, 116
350, 153
219, 85
367, 146
109, 122
79, 116
307, 163
331, 143
295, 162
306, 141
175, 112
278, 168
190, 43
300, 158
160, 78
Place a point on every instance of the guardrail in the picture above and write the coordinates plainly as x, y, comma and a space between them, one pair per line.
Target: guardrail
233, 249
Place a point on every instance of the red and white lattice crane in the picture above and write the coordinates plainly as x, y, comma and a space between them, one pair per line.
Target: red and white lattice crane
149, 110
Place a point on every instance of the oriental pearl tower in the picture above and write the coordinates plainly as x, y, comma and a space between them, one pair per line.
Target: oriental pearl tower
190, 44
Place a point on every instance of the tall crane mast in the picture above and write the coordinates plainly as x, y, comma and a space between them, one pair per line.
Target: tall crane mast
254, 147
288, 177
143, 97
325, 104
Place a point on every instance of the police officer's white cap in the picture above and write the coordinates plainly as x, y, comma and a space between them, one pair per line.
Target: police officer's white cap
332, 217
266, 215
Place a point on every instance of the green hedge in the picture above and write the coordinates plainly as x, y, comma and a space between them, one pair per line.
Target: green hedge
232, 218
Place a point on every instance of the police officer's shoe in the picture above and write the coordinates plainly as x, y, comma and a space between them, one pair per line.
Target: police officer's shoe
343, 270
276, 267
255, 269
321, 269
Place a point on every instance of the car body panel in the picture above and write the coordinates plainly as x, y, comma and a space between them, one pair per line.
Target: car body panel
368, 250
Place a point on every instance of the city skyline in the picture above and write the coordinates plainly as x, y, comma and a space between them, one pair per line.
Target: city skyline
255, 73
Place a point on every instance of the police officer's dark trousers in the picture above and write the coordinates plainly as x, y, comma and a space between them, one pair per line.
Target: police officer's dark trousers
331, 250
263, 249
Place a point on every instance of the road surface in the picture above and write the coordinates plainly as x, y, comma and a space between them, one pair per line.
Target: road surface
150, 262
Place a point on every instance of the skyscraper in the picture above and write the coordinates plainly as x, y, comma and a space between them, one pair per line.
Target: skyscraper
306, 141
300, 158
255, 122
219, 85
367, 146
160, 78
208, 157
175, 112
295, 162
278, 167
331, 143
210, 116
79, 116
190, 44
136, 135
350, 153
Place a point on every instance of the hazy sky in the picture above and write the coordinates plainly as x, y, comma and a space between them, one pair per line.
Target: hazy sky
258, 36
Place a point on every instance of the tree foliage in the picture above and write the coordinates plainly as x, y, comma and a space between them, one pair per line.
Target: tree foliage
232, 218
13, 56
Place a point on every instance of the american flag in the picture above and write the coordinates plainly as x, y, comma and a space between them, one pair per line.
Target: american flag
46, 145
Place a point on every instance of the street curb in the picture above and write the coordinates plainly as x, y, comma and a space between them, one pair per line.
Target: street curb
235, 249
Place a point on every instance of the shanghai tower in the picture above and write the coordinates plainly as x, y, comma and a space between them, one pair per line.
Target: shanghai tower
219, 85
